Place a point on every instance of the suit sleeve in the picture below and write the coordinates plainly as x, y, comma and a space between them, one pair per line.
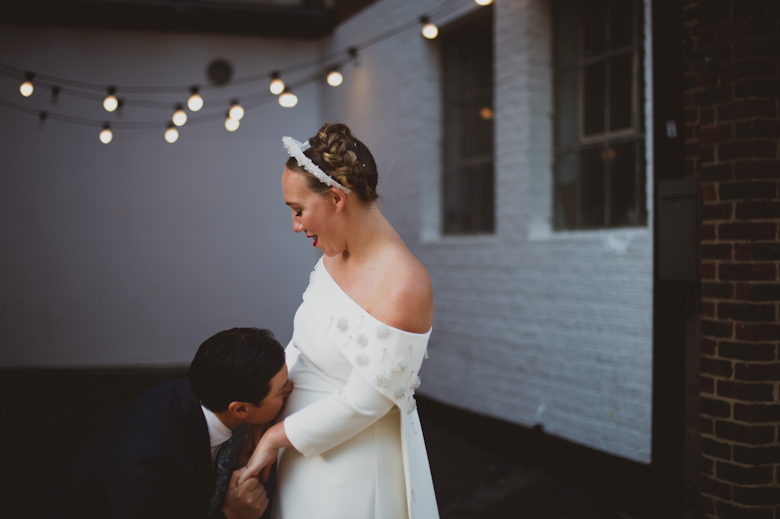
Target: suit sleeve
336, 418
155, 487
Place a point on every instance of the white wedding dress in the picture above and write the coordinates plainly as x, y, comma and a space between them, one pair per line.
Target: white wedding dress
352, 416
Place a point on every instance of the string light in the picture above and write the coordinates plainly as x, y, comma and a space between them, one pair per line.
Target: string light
277, 85
335, 78
26, 88
105, 134
171, 134
236, 111
484, 2
288, 99
179, 116
231, 124
429, 30
195, 102
110, 103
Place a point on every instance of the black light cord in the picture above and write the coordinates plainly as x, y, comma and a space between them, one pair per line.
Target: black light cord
249, 102
145, 125
17, 73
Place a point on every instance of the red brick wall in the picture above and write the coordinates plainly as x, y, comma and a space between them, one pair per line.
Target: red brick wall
732, 137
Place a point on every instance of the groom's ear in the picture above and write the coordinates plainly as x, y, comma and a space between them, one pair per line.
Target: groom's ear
239, 409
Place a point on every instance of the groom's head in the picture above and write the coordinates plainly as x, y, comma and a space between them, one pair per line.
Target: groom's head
241, 372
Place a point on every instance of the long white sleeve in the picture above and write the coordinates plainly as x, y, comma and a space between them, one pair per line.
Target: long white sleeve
336, 418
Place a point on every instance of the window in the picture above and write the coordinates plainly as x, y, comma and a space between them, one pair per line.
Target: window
599, 120
467, 180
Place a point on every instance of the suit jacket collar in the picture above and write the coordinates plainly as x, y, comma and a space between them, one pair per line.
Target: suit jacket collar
201, 448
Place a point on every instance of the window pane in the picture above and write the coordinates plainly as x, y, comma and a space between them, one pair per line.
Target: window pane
622, 183
452, 208
566, 32
593, 28
594, 98
469, 200
566, 168
567, 88
597, 100
592, 187
450, 137
621, 23
476, 62
467, 184
481, 192
451, 71
620, 91
476, 123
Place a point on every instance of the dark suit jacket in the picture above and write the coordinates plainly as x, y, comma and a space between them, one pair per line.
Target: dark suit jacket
151, 460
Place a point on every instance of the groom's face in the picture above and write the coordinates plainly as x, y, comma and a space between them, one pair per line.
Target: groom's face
270, 406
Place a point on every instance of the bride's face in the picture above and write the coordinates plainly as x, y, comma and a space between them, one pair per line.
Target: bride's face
314, 214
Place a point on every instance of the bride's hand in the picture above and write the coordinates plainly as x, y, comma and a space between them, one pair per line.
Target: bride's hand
253, 436
265, 453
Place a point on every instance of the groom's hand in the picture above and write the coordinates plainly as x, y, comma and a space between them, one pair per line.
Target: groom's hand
247, 500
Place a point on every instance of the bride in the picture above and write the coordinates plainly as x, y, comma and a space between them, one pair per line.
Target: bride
349, 442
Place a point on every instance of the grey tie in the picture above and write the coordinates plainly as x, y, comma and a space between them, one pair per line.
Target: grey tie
223, 473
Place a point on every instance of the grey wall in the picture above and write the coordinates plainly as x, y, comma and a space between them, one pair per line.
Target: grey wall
532, 326
136, 251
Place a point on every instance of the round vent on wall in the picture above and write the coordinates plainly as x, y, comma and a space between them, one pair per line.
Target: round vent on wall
220, 72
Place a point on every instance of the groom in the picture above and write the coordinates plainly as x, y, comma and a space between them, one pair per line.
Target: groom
166, 454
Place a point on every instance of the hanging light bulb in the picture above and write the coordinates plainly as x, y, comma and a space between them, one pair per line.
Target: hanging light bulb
110, 103
231, 124
484, 2
171, 134
335, 78
195, 102
55, 94
277, 85
105, 134
288, 99
429, 30
179, 116
26, 88
236, 112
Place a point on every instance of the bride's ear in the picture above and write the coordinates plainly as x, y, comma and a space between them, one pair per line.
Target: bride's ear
338, 198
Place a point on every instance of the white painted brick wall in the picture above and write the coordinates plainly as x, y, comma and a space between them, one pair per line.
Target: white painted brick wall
526, 317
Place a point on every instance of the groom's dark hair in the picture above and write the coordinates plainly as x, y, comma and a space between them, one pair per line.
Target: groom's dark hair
235, 365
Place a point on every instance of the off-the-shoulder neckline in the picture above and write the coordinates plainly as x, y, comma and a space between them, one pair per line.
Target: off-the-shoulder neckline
321, 263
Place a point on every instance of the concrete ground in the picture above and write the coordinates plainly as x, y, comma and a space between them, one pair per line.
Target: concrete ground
482, 468
474, 483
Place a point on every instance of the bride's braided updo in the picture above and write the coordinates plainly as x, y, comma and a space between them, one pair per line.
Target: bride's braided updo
344, 158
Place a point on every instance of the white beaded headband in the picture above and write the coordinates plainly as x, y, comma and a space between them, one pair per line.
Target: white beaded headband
296, 149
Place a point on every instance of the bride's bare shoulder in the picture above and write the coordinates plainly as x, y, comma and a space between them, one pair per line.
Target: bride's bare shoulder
407, 294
